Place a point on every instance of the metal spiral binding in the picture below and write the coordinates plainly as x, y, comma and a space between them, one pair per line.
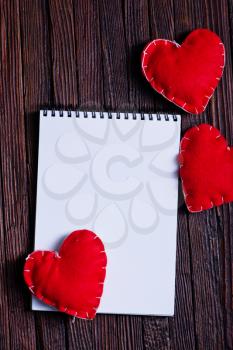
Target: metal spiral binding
109, 115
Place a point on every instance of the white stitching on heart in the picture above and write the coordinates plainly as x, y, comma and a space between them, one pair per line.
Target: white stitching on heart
31, 289
29, 257
154, 42
181, 165
49, 302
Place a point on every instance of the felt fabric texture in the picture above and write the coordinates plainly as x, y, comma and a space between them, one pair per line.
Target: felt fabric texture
72, 280
206, 168
186, 74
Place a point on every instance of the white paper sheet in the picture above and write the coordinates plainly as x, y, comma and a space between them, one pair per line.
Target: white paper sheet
117, 177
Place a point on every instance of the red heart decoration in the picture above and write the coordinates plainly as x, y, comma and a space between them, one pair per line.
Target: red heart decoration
206, 168
71, 280
186, 74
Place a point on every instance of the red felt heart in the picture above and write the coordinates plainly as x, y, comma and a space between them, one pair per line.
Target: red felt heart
206, 168
71, 280
186, 74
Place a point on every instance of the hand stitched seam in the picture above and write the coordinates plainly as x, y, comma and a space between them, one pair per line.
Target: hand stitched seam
50, 302
182, 180
174, 99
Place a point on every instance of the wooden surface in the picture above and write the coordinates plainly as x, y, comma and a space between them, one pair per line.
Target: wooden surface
85, 53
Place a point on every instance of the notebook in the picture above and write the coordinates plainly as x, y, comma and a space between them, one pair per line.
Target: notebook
115, 174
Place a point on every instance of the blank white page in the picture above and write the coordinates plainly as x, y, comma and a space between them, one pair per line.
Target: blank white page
115, 174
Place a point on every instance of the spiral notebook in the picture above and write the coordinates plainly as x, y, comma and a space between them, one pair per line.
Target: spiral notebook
115, 174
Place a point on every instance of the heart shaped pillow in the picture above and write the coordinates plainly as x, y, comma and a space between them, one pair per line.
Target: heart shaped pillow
71, 280
186, 74
206, 168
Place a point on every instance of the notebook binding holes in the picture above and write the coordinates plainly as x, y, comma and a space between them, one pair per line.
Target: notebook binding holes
109, 115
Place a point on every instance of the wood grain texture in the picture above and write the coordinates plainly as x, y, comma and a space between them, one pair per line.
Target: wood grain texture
86, 53
14, 180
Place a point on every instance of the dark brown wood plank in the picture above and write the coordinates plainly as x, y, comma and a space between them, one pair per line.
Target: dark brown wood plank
88, 54
137, 33
4, 317
63, 53
106, 334
206, 238
36, 60
14, 179
181, 326
114, 62
220, 21
50, 330
36, 86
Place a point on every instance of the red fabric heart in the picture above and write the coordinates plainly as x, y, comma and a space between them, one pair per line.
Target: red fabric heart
206, 168
71, 280
186, 75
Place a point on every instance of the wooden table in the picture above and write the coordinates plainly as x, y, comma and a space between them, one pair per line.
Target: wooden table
86, 54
